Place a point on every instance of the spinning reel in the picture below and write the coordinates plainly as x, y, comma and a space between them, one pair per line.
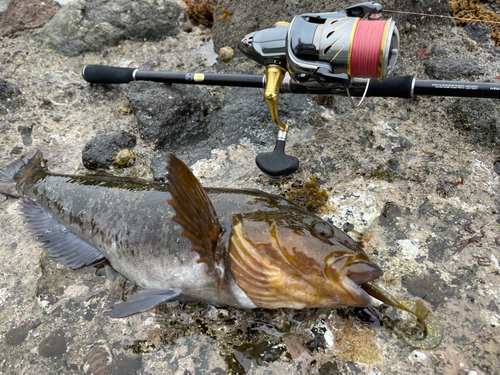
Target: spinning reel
322, 51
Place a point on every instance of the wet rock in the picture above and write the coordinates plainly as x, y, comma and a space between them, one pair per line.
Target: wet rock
16, 150
89, 25
192, 136
390, 213
53, 281
11, 98
481, 33
369, 316
53, 346
171, 117
430, 288
478, 118
100, 151
26, 133
27, 14
16, 336
452, 68
126, 365
330, 368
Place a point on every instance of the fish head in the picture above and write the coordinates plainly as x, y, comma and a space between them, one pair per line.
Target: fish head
291, 258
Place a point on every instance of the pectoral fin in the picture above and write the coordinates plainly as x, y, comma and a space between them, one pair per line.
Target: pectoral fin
194, 212
61, 244
142, 301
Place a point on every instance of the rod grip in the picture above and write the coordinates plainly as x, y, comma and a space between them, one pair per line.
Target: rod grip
395, 87
107, 74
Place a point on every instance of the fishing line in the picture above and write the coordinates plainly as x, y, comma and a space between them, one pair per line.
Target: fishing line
491, 222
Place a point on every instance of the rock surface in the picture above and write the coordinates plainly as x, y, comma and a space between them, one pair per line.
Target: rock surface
91, 25
26, 14
417, 180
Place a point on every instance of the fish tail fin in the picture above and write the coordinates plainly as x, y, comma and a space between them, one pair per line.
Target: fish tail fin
14, 175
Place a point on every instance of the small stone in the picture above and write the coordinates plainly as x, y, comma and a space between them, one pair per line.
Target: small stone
417, 356
125, 108
226, 54
470, 44
16, 336
125, 158
407, 26
413, 27
52, 346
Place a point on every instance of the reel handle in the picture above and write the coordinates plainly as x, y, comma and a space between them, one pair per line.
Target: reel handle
274, 77
277, 163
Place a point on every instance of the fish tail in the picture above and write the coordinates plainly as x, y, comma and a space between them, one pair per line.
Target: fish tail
14, 175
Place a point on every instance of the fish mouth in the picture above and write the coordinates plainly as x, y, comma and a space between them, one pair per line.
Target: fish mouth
358, 271
362, 272
351, 271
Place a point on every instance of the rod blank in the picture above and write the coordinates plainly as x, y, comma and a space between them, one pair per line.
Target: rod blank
396, 87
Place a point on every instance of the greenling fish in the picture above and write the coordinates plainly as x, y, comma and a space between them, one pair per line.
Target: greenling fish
242, 248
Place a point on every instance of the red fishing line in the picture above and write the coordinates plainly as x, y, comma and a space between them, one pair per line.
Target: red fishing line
365, 50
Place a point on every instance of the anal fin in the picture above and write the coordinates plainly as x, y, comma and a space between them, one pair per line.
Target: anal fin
60, 243
142, 301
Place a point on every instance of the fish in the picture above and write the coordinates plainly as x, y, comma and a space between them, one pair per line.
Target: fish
182, 241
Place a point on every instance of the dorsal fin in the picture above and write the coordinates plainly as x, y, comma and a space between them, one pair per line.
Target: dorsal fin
195, 213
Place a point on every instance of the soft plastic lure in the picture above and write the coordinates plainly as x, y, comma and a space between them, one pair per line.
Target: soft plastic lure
433, 330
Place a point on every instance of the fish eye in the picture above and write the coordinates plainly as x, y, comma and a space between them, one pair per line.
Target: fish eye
323, 229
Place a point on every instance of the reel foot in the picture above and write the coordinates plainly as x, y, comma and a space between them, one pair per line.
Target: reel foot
277, 163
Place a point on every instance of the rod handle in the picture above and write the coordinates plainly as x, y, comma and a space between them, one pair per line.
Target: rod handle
395, 87
107, 74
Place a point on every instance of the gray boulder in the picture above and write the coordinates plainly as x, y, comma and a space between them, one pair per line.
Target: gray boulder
452, 68
100, 151
91, 25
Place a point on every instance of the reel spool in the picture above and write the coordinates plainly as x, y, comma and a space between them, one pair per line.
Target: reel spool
320, 51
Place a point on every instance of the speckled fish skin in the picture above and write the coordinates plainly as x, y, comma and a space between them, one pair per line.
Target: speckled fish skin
131, 223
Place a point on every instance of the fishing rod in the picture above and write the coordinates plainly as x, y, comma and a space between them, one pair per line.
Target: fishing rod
350, 52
